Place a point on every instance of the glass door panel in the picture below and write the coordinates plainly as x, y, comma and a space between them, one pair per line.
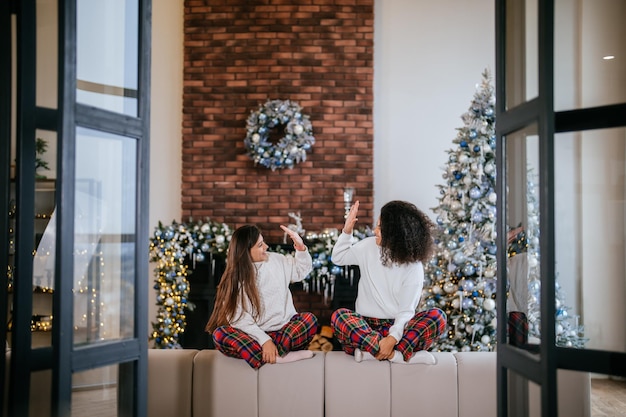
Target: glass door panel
95, 389
523, 251
527, 394
104, 273
524, 390
40, 393
521, 52
589, 241
47, 53
43, 249
567, 382
590, 54
50, 58
107, 55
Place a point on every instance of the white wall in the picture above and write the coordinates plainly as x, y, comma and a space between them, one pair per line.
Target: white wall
428, 59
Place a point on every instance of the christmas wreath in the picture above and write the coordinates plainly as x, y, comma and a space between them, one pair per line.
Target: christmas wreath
291, 147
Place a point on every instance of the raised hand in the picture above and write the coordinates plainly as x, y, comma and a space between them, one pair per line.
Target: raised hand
298, 243
352, 218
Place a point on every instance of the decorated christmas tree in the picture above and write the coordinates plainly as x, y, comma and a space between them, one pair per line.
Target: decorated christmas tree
461, 277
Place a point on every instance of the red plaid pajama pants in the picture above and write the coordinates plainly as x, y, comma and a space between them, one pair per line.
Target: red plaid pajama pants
295, 335
355, 331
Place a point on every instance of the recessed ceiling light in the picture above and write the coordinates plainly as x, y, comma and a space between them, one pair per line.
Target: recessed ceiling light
608, 57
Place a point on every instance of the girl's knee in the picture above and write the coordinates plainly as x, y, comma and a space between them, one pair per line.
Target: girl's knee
312, 323
441, 319
337, 314
309, 318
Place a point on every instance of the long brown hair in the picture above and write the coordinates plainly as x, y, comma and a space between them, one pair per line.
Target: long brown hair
238, 283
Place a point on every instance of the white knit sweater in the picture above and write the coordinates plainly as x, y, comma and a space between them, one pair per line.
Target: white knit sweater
273, 279
384, 292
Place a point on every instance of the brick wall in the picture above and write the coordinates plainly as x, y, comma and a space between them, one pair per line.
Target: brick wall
240, 53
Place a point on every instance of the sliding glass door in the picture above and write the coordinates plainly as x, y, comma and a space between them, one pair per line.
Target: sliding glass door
561, 131
75, 184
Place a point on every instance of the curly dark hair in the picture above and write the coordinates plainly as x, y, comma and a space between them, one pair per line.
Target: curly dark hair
406, 234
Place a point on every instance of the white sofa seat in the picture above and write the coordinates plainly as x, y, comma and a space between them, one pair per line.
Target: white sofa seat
170, 375
477, 384
425, 390
292, 389
206, 383
356, 389
224, 386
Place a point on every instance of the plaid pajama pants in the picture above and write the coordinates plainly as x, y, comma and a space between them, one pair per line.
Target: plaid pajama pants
295, 335
355, 331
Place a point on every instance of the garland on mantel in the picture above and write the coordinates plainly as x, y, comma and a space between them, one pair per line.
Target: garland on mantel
169, 247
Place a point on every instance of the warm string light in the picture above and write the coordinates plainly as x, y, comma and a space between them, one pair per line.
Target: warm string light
96, 309
41, 323
169, 248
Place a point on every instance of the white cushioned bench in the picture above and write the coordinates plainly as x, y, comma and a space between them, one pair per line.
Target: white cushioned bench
206, 383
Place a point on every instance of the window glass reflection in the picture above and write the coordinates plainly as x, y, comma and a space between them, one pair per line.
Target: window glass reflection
95, 389
590, 191
107, 55
44, 227
47, 53
104, 236
524, 250
521, 52
589, 54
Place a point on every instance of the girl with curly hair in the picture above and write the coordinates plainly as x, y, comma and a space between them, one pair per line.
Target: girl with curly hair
254, 317
385, 324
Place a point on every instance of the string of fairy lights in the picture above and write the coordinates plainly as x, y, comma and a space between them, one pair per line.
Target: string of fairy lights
93, 307
169, 247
